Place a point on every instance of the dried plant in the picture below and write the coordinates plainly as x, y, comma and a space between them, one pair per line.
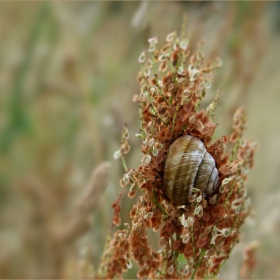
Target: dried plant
61, 232
195, 239
249, 259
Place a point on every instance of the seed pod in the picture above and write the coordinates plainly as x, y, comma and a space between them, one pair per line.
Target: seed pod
188, 165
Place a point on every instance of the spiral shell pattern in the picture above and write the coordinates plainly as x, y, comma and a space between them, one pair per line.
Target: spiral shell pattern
188, 165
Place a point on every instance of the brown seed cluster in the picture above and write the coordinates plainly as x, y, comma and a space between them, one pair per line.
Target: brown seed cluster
195, 239
116, 257
117, 209
249, 260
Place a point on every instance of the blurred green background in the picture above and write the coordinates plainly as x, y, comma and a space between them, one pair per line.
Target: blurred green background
67, 76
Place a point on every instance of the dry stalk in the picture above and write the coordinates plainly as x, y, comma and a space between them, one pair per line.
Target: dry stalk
80, 219
58, 236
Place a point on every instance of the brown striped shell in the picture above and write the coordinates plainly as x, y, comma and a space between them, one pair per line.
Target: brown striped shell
188, 165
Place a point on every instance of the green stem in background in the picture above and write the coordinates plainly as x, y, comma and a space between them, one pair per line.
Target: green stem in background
18, 120
183, 27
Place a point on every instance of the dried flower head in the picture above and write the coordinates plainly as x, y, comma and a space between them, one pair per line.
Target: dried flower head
195, 239
249, 259
116, 256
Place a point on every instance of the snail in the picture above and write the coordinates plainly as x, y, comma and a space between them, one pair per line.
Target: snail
188, 165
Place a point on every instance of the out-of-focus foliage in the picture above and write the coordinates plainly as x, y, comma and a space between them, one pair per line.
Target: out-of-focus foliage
68, 74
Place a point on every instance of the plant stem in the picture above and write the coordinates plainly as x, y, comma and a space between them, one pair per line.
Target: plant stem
158, 204
199, 262
124, 163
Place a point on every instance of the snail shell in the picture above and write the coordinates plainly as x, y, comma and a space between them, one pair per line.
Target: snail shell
188, 165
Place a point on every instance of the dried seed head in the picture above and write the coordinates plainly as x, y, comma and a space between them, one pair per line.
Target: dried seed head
146, 159
171, 37
172, 88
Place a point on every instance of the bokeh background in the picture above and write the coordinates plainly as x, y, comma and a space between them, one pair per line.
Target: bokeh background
67, 76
